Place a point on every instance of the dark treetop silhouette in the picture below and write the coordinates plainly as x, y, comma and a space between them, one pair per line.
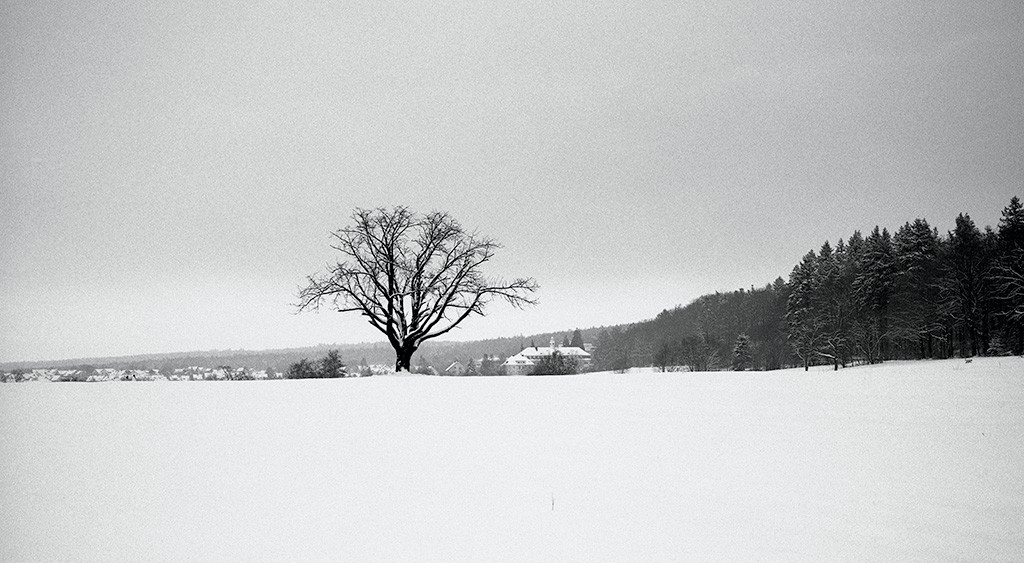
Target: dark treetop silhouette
414, 277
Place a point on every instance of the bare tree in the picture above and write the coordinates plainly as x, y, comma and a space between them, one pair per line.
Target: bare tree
1009, 277
414, 277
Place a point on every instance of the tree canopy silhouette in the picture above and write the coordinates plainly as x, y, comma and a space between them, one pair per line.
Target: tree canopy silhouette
414, 277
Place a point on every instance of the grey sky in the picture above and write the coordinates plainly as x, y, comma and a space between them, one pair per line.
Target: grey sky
169, 171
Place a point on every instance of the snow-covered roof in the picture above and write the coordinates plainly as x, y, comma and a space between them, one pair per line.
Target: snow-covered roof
548, 350
518, 361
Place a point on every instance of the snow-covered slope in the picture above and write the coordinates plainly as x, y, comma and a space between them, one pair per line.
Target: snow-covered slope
901, 461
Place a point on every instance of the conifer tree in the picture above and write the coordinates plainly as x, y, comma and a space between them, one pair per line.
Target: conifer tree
962, 284
832, 303
577, 339
873, 289
303, 369
331, 365
801, 316
741, 359
916, 324
612, 350
1011, 225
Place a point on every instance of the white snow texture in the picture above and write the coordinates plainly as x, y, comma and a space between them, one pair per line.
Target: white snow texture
918, 460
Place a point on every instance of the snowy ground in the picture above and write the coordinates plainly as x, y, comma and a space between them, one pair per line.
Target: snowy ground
902, 461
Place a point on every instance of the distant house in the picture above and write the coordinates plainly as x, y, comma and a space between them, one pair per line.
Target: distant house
456, 368
518, 365
524, 362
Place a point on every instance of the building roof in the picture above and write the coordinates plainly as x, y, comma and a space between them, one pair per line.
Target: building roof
548, 350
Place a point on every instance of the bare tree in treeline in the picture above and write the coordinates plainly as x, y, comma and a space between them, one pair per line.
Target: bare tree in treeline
414, 277
1008, 270
1009, 278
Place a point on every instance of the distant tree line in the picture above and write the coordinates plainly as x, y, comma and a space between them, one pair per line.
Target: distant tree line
436, 353
703, 334
910, 295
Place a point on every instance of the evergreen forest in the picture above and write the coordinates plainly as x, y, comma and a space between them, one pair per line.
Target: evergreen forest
912, 294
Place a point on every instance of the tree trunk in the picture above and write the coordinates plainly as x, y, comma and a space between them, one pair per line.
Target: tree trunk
403, 358
985, 334
883, 339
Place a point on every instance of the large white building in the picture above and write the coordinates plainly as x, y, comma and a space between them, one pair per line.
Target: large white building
526, 360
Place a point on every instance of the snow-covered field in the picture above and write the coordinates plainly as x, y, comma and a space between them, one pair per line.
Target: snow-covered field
921, 460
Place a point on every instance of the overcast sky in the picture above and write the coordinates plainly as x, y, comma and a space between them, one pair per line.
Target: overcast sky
170, 171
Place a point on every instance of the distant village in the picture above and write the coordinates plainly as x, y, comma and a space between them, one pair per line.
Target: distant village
554, 359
